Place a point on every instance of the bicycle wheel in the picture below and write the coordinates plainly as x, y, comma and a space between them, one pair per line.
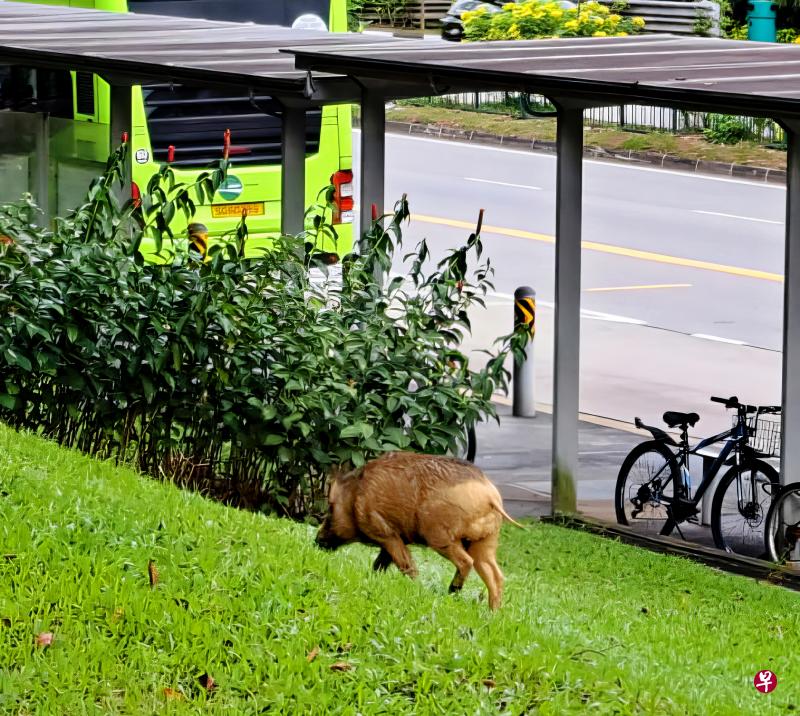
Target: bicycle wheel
740, 507
782, 530
646, 487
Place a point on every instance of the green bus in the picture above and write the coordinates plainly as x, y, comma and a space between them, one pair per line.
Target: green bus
185, 126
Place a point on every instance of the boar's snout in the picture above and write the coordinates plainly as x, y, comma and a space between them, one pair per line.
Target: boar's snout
326, 538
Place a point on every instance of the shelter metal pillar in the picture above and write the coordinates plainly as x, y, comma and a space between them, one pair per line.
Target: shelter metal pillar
569, 183
790, 448
121, 124
293, 173
41, 188
373, 154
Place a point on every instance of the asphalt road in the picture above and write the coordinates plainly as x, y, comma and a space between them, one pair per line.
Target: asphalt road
682, 273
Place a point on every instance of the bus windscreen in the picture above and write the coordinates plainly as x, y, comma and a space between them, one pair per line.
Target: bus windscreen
263, 12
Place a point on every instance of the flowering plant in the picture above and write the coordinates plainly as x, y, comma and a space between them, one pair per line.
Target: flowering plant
548, 19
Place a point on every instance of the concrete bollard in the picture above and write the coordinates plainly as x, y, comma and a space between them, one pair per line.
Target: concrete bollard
524, 404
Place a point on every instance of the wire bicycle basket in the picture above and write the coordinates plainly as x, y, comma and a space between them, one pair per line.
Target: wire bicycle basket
764, 433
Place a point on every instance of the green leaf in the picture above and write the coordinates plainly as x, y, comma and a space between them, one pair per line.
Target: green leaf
357, 430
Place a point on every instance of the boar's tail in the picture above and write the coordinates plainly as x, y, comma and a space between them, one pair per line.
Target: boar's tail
499, 508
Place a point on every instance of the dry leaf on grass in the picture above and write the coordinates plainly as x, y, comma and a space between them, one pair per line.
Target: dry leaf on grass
44, 639
312, 654
207, 682
173, 694
489, 683
341, 666
153, 572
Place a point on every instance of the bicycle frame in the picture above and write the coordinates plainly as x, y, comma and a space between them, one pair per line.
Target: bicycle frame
733, 438
732, 443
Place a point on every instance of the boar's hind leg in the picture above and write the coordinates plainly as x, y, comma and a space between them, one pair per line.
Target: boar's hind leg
483, 553
459, 579
400, 556
382, 561
459, 557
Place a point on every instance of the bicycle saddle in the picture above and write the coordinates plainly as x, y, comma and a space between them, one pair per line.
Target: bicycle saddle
674, 419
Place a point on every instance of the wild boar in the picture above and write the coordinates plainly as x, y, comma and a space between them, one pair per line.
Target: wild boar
405, 498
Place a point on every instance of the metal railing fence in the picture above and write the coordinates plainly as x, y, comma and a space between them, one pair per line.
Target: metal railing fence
627, 117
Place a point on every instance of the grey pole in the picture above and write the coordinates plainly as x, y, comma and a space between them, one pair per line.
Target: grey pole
524, 404
293, 173
42, 163
120, 125
569, 144
373, 151
790, 448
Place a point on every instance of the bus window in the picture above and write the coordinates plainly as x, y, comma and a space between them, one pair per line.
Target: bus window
23, 89
193, 120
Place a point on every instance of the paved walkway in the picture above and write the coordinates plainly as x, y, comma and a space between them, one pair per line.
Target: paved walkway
516, 457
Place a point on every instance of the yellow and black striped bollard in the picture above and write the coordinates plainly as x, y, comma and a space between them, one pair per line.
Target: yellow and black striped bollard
198, 239
524, 404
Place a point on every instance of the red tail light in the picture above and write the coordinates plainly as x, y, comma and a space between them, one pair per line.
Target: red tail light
343, 196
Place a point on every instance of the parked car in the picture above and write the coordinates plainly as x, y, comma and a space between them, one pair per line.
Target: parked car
453, 28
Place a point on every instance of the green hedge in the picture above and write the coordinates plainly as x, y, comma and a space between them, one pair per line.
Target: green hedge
230, 374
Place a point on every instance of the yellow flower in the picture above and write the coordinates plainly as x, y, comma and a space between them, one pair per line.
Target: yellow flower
621, 34
571, 25
599, 33
510, 6
513, 32
638, 21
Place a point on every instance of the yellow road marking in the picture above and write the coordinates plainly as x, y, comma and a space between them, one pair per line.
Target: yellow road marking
639, 288
609, 249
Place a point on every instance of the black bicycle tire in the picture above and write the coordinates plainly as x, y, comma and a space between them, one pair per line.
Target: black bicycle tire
630, 459
769, 546
716, 506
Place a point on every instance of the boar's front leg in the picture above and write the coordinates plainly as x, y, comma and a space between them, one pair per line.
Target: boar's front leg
400, 555
382, 561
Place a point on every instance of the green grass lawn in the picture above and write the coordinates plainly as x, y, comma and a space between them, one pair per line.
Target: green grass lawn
588, 625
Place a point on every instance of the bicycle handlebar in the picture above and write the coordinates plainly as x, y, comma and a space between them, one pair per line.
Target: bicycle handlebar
733, 403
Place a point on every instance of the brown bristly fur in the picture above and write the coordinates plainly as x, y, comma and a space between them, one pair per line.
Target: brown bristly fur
407, 498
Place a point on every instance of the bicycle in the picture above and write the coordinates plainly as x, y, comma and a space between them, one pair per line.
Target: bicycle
654, 486
782, 531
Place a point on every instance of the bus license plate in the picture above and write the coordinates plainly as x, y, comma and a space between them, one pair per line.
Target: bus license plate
223, 211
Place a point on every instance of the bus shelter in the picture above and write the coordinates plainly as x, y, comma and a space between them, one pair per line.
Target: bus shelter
307, 69
704, 74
